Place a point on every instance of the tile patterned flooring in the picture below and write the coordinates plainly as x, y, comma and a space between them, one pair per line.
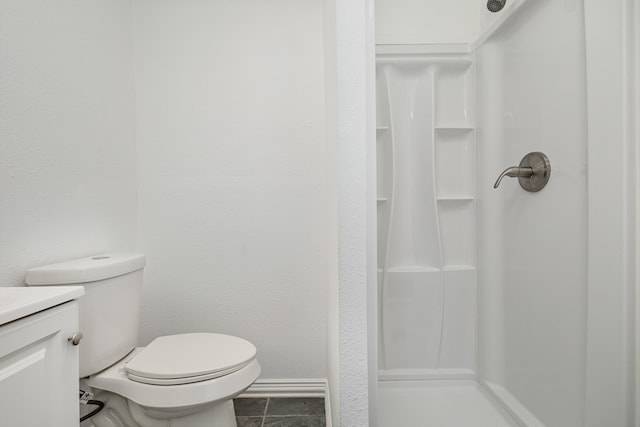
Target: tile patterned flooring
280, 412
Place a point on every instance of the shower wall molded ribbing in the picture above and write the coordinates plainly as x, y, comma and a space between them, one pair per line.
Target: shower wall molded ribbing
426, 212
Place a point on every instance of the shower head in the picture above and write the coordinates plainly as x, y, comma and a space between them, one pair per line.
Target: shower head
495, 5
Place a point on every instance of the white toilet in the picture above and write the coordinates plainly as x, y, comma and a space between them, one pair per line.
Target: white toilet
186, 380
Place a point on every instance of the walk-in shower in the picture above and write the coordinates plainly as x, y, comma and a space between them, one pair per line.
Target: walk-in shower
497, 307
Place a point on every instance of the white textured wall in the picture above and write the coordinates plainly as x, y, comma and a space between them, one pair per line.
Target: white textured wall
355, 69
67, 152
634, 47
428, 21
331, 129
233, 175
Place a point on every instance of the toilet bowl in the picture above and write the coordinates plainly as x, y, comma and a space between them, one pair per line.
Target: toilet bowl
185, 380
179, 377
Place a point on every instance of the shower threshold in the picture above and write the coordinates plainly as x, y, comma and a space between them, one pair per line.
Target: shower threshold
438, 403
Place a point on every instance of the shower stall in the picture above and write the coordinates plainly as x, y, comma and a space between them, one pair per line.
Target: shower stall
505, 306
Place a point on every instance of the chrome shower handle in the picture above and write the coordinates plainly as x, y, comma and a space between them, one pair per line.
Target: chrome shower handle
515, 172
533, 172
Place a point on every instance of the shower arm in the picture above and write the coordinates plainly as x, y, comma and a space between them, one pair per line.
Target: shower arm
515, 172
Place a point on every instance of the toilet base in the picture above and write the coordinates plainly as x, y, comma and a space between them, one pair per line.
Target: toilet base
120, 412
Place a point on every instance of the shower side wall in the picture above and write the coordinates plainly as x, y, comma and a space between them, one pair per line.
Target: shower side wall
612, 181
532, 257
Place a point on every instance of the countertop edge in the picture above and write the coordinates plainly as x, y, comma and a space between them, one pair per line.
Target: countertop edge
19, 302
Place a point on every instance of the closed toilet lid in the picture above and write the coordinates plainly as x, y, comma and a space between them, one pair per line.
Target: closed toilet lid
188, 358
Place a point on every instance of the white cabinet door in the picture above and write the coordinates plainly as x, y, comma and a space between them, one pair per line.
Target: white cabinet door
39, 370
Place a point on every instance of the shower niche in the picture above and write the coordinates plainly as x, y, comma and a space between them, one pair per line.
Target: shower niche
426, 214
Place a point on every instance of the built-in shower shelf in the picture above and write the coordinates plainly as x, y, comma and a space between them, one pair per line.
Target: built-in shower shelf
459, 268
413, 269
456, 129
456, 199
381, 129
382, 199
400, 51
421, 269
426, 374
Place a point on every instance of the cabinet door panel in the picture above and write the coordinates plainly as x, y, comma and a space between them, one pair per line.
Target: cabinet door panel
39, 370
23, 378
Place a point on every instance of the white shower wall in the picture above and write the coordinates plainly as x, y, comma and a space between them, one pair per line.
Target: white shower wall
533, 246
426, 213
427, 21
554, 268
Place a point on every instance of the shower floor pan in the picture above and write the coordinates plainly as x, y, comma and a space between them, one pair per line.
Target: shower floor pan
440, 403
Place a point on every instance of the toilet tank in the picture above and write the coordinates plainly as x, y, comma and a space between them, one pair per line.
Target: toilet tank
110, 307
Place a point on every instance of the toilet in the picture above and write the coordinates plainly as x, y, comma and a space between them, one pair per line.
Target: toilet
185, 380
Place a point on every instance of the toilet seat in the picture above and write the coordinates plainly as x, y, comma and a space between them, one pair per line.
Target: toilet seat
115, 379
189, 358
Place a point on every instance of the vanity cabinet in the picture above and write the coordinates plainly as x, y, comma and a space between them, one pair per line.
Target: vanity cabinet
39, 369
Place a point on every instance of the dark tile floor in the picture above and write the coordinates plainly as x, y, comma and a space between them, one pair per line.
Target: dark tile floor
280, 412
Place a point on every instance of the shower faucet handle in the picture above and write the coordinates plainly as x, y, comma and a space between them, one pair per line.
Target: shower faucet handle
514, 172
533, 172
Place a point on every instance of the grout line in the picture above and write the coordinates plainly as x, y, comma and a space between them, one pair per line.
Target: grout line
264, 415
266, 409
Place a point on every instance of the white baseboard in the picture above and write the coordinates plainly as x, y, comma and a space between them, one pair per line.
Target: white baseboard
288, 388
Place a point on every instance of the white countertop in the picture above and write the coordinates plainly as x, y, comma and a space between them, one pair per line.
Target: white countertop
23, 301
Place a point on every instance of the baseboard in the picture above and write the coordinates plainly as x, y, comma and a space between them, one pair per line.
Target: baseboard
288, 388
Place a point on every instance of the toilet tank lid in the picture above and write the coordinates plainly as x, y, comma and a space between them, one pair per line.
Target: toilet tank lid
83, 270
